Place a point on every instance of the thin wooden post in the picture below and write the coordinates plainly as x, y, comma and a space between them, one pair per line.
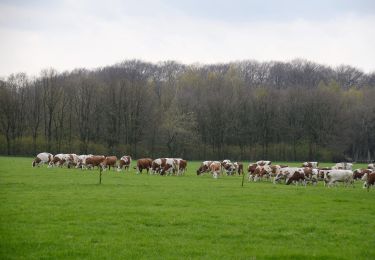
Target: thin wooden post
243, 177
100, 175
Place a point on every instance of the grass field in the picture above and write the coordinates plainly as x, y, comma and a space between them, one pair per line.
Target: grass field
63, 213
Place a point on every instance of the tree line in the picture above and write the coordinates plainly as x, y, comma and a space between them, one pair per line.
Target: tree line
249, 110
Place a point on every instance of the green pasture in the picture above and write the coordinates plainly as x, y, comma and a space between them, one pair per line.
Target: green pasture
62, 213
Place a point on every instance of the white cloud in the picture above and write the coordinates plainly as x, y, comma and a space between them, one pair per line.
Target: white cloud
72, 36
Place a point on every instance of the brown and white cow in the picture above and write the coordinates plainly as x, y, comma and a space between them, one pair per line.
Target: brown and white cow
71, 160
171, 166
157, 165
228, 167
286, 173
82, 160
42, 158
310, 164
358, 173
182, 166
108, 162
205, 167
94, 160
371, 166
215, 168
143, 164
239, 167
296, 177
262, 163
124, 163
58, 160
369, 179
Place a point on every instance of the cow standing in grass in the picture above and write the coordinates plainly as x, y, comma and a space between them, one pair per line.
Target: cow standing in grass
42, 158
333, 176
143, 164
124, 163
215, 168
369, 179
205, 167
94, 160
108, 162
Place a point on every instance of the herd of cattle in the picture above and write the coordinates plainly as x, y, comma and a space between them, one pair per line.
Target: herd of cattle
309, 172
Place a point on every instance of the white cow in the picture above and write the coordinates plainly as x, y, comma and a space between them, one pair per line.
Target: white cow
343, 166
333, 176
42, 158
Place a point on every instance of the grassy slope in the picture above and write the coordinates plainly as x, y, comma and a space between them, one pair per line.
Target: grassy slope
63, 213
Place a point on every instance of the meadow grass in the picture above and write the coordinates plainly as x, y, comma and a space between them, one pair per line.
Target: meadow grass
63, 213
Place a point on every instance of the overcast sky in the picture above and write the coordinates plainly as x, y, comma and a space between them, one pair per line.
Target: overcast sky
72, 34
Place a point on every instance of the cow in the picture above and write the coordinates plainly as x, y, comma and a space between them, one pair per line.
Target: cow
343, 166
42, 158
124, 163
228, 167
171, 166
94, 160
239, 168
205, 167
371, 166
182, 165
296, 177
369, 179
108, 162
262, 163
215, 168
358, 173
71, 160
311, 175
157, 165
58, 160
82, 160
286, 173
310, 164
333, 176
143, 163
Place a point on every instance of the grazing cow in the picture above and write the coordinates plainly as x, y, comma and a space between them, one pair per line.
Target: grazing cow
58, 160
239, 168
296, 177
286, 173
251, 168
358, 174
369, 179
333, 176
262, 163
42, 158
124, 163
82, 160
182, 165
215, 168
108, 162
371, 166
310, 164
205, 167
171, 166
71, 160
343, 166
143, 163
229, 168
157, 165
94, 160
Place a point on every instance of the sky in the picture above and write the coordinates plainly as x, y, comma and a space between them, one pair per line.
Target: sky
69, 34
